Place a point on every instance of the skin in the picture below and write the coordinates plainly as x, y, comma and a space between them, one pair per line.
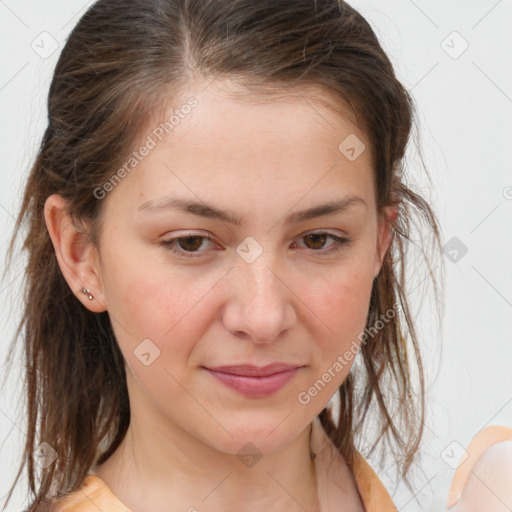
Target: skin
291, 304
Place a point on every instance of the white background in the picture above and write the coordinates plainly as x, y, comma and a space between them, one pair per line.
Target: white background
465, 121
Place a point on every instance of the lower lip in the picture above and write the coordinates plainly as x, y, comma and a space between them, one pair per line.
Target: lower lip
255, 386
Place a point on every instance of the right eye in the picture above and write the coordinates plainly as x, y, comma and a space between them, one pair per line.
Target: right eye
186, 245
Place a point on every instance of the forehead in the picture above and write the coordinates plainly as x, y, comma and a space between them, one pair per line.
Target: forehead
298, 117
229, 144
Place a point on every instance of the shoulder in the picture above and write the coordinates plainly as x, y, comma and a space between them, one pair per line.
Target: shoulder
372, 490
92, 496
482, 479
339, 481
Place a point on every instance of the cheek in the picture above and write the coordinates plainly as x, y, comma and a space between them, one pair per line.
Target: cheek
343, 311
342, 300
160, 303
156, 328
144, 293
341, 304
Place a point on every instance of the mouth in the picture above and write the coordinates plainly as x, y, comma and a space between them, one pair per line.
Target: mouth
254, 381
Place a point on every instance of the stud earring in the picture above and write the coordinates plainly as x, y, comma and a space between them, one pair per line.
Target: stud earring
85, 291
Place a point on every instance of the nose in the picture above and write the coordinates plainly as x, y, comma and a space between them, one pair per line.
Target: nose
260, 304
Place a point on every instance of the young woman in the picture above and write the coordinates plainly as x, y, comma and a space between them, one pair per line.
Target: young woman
216, 304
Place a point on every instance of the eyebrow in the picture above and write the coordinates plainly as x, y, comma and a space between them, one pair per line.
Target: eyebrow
203, 209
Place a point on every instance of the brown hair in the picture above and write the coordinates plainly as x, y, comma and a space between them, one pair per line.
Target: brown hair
123, 60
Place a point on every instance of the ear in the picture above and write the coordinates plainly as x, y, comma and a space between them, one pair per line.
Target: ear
384, 235
76, 255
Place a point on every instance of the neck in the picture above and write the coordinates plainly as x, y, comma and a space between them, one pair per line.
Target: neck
169, 466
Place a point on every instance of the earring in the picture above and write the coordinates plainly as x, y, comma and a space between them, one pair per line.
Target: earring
88, 293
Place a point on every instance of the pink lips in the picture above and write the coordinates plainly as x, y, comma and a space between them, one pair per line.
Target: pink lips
255, 381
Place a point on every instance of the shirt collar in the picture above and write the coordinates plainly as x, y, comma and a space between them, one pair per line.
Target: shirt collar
336, 480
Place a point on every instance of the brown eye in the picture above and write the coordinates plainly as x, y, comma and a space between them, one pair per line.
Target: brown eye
190, 243
317, 239
187, 246
316, 242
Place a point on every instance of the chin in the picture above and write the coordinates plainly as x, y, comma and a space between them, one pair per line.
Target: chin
267, 432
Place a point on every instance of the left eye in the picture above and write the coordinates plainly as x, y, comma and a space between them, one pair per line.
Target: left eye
320, 238
188, 245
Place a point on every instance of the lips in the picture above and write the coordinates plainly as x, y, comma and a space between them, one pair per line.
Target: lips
254, 381
246, 370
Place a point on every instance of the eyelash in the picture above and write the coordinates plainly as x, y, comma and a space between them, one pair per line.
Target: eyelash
171, 244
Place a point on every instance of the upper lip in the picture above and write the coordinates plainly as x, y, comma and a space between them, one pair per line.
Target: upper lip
248, 370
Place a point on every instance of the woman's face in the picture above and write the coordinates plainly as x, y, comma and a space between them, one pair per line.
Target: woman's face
274, 287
